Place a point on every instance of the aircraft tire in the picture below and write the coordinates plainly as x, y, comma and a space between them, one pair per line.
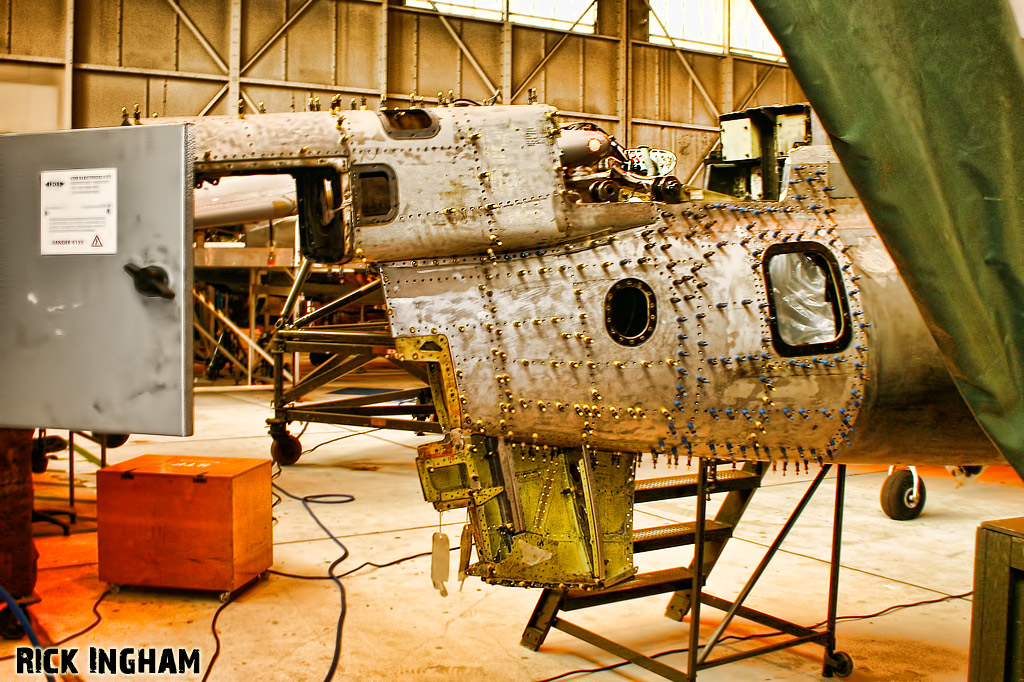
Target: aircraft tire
896, 496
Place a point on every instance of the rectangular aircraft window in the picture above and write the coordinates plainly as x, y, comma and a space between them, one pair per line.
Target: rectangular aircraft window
374, 193
405, 124
807, 300
375, 197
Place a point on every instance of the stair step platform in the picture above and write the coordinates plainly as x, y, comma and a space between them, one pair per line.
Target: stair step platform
653, 489
640, 585
677, 535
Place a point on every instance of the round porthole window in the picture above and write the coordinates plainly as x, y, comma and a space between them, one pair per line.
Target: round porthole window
630, 312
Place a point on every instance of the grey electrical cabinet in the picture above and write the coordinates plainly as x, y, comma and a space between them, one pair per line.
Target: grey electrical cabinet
997, 616
96, 279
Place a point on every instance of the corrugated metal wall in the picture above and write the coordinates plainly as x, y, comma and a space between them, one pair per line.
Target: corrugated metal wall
67, 63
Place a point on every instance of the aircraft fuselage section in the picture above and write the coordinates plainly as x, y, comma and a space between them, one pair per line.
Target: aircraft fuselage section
655, 338
749, 330
574, 312
675, 338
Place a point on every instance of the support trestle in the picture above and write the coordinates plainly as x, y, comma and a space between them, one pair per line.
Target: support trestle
689, 595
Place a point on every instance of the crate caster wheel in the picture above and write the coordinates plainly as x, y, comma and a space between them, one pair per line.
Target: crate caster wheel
111, 440
114, 588
264, 575
839, 663
225, 597
286, 450
898, 499
10, 626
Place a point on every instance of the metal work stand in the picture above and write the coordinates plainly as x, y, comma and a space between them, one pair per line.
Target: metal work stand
349, 347
836, 663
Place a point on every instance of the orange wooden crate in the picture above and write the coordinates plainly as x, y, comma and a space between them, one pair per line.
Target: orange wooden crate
200, 523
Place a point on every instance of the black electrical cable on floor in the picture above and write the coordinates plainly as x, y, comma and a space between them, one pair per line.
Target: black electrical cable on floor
359, 567
307, 500
764, 635
216, 637
899, 607
335, 440
329, 498
96, 612
391, 563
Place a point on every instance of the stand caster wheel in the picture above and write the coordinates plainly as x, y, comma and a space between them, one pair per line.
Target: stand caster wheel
286, 450
898, 500
839, 664
10, 626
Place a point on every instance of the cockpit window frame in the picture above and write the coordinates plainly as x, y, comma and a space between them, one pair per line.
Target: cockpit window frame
420, 133
356, 174
835, 294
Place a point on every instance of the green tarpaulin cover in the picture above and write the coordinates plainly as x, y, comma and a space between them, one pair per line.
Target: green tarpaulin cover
924, 103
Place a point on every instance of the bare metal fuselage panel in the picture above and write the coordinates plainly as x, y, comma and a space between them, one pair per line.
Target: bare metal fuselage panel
566, 334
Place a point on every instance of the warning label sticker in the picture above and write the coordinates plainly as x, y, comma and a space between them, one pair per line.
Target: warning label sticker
78, 211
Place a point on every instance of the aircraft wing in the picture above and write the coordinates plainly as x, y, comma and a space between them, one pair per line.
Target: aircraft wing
244, 199
926, 111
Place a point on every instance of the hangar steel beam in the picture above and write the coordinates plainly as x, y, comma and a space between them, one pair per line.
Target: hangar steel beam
30, 59
235, 53
382, 51
185, 19
66, 108
689, 69
506, 59
550, 53
623, 101
249, 101
301, 85
277, 34
463, 48
672, 124
213, 102
757, 86
141, 71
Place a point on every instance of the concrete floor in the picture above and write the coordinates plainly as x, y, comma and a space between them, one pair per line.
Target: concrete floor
399, 628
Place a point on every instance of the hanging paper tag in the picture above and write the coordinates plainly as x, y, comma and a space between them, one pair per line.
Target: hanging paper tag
440, 562
465, 552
